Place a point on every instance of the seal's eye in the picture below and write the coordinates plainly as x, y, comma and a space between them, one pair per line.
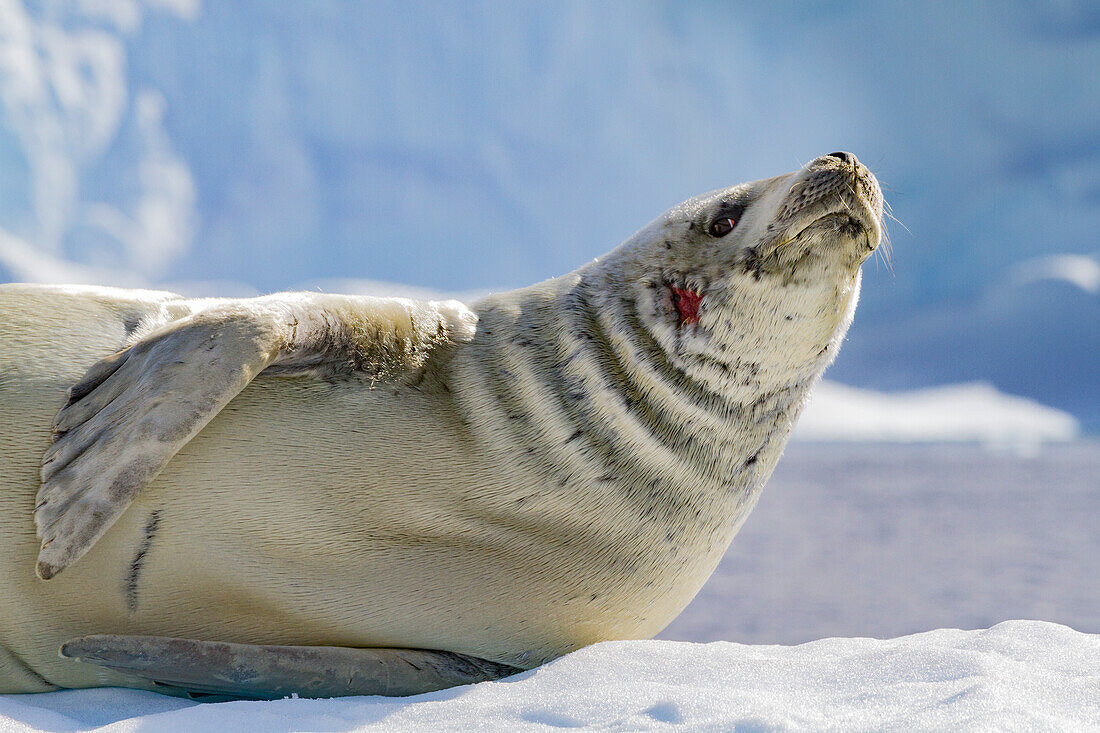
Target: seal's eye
728, 215
722, 227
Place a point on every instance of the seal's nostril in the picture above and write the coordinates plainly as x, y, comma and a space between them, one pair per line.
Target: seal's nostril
846, 157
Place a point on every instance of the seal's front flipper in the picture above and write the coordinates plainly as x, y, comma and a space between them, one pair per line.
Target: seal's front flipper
129, 415
255, 672
136, 409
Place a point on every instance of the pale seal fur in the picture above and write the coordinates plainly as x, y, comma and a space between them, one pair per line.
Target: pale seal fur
494, 485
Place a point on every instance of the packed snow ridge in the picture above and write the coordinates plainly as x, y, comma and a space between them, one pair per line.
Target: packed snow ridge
974, 412
1018, 675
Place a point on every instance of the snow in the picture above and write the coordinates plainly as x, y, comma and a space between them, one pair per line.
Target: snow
974, 412
1018, 675
1079, 270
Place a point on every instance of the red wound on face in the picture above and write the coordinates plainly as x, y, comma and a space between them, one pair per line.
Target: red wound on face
687, 303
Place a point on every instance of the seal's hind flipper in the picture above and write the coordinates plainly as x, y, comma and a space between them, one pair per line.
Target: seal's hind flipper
257, 672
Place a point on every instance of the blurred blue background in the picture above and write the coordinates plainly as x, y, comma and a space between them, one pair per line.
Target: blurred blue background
249, 146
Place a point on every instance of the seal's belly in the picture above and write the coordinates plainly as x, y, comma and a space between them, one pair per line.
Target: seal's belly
310, 513
368, 518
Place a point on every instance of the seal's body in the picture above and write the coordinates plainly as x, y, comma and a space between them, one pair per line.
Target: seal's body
551, 467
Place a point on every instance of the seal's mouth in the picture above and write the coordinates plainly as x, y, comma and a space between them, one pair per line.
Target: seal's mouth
853, 223
841, 223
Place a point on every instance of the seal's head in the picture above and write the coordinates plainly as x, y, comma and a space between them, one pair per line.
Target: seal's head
765, 272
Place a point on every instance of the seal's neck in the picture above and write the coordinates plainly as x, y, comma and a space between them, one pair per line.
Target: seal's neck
750, 336
570, 368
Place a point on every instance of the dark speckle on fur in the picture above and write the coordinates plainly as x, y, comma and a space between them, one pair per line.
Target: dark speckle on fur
149, 533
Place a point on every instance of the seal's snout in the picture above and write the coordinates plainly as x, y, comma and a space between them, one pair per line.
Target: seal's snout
836, 184
842, 167
843, 156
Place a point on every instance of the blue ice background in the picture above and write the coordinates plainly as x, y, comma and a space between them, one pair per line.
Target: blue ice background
471, 145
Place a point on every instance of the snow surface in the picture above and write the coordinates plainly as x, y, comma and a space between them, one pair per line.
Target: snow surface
1018, 675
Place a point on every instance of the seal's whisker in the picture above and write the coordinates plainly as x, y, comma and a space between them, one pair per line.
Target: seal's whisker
896, 220
887, 244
